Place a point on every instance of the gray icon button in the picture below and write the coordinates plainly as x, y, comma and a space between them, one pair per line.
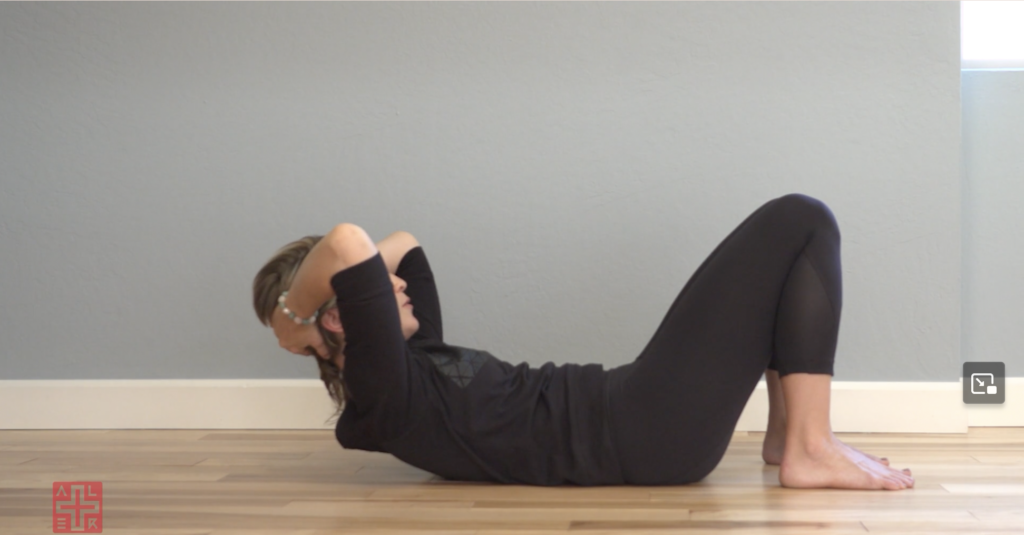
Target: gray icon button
984, 382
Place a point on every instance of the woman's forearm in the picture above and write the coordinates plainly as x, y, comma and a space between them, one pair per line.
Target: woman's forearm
344, 246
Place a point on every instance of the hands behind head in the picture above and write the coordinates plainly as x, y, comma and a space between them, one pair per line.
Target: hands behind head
299, 339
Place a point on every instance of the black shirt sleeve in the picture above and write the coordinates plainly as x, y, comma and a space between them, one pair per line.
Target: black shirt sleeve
377, 363
415, 270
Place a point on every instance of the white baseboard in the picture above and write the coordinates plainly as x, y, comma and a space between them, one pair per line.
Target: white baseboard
897, 407
880, 407
165, 404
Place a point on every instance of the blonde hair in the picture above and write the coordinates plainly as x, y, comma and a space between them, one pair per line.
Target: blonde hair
275, 277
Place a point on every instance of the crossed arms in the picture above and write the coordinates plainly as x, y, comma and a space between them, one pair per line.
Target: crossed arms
345, 245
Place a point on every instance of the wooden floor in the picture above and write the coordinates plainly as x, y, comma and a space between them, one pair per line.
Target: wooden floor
302, 482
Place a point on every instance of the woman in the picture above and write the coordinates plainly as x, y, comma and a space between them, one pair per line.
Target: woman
767, 301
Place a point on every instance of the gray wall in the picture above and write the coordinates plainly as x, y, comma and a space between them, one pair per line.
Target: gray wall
567, 167
993, 119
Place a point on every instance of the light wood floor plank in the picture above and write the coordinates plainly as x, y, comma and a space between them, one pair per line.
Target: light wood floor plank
211, 482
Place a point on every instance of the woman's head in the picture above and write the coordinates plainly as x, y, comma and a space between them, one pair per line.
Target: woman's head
275, 277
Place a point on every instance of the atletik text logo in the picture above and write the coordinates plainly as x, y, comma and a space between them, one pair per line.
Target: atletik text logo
984, 382
77, 507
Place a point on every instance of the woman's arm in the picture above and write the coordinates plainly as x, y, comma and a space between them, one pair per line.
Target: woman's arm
415, 270
345, 245
394, 247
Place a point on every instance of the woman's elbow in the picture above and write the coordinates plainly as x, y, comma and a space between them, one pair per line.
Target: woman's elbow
351, 243
407, 239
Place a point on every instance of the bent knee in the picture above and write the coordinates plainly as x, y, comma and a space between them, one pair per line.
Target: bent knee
814, 210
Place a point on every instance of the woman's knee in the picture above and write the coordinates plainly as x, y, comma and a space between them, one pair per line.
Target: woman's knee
808, 208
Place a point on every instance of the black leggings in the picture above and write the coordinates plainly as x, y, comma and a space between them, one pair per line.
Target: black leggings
769, 296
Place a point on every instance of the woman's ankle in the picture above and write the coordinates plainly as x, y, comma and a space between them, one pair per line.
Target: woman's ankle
776, 424
809, 443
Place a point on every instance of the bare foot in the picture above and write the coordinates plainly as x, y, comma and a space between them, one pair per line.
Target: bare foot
883, 460
774, 447
828, 463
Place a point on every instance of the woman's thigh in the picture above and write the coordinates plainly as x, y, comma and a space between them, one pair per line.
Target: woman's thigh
675, 407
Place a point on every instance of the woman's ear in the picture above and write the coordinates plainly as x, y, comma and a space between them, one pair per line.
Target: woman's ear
331, 321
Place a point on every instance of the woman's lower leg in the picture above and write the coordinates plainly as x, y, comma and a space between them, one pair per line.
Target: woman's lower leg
775, 437
813, 457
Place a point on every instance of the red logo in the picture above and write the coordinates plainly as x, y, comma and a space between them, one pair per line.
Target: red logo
77, 507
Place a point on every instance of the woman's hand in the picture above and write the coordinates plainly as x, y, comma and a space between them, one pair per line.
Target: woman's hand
298, 339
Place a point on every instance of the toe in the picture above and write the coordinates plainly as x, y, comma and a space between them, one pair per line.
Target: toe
906, 479
895, 479
889, 483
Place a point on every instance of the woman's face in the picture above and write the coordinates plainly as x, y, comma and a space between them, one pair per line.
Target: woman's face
409, 322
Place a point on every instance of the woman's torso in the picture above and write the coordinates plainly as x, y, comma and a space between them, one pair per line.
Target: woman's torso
473, 417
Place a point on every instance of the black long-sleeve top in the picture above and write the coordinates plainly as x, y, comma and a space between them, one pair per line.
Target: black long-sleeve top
458, 412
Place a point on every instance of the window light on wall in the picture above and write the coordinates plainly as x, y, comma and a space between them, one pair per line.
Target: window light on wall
992, 35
